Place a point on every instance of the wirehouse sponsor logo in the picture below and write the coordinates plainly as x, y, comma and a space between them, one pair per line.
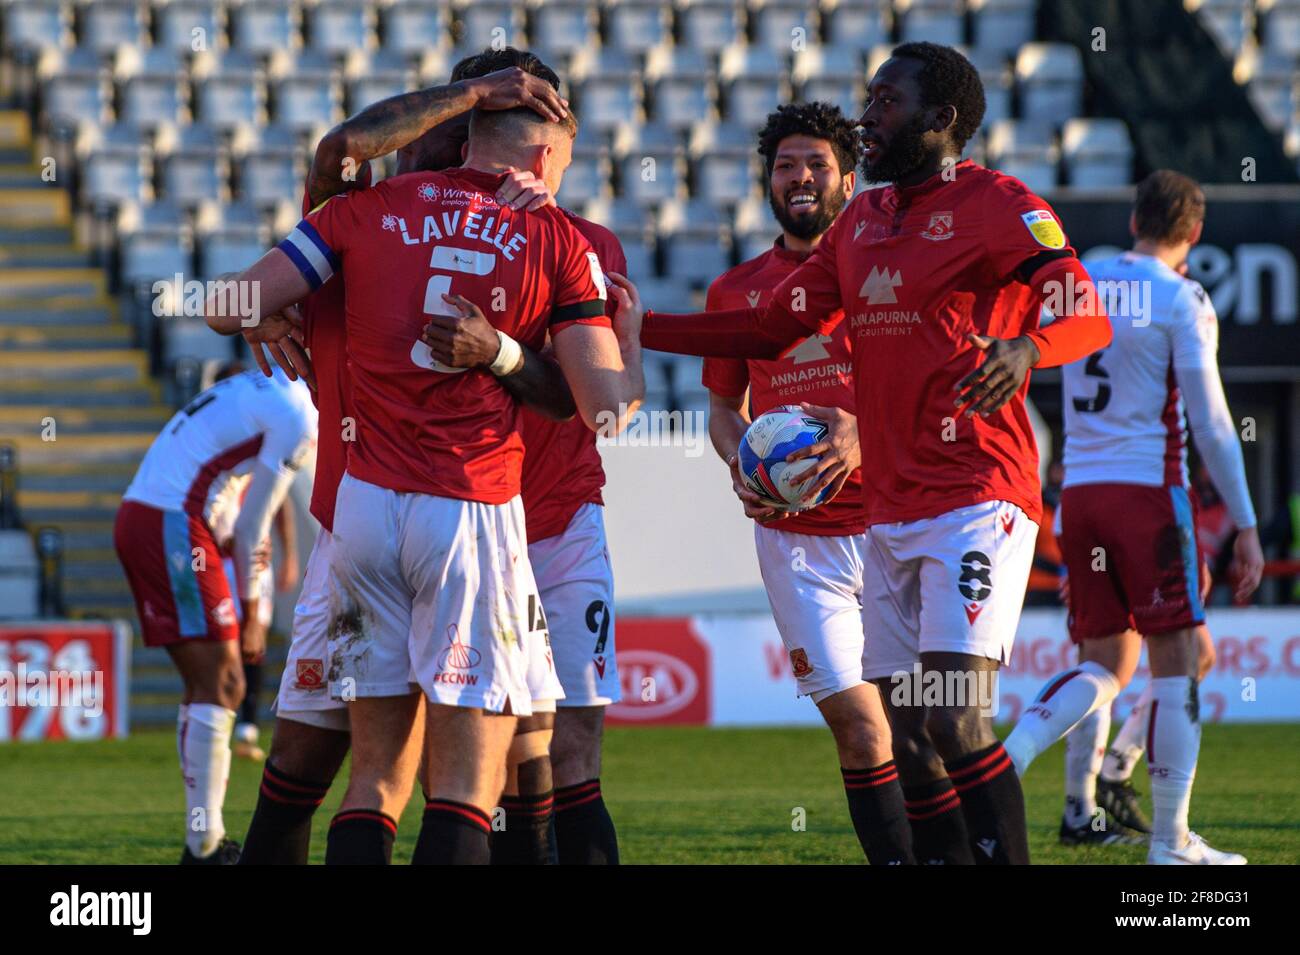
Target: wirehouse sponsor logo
95, 909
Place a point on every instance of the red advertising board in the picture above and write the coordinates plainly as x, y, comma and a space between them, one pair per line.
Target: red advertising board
64, 680
664, 670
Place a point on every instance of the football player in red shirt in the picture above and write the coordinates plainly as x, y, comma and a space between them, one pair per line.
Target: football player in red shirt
810, 152
430, 128
435, 467
941, 276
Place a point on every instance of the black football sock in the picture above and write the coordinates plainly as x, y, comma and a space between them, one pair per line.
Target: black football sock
453, 833
526, 838
280, 833
252, 690
993, 804
879, 814
938, 826
360, 837
584, 832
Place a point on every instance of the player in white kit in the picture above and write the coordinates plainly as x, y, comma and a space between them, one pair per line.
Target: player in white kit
1127, 519
247, 424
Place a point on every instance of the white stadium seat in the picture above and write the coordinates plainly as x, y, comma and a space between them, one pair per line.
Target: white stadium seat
682, 83
635, 25
830, 74
856, 23
188, 26
487, 23
1002, 26
411, 27
341, 26
36, 24
783, 25
1097, 153
938, 21
710, 25
1026, 150
753, 84
562, 26
108, 24
724, 167
264, 27
1281, 25
1050, 79
649, 162
696, 240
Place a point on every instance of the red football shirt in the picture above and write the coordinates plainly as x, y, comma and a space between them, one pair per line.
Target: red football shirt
916, 270
819, 370
420, 426
323, 328
562, 468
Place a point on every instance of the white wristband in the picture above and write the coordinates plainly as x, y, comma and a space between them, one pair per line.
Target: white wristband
508, 355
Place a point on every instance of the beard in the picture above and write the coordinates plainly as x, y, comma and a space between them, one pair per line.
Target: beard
906, 151
810, 224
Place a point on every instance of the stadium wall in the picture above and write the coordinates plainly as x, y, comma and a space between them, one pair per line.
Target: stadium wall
732, 670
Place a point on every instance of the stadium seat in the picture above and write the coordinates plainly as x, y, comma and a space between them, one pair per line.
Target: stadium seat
1229, 22
78, 92
752, 82
108, 24
631, 224
36, 24
194, 166
682, 84
1026, 150
996, 75
783, 25
1270, 78
606, 86
230, 91
263, 27
860, 24
938, 21
755, 227
485, 23
830, 74
269, 169
562, 26
190, 338
587, 177
162, 216
1050, 80
152, 86
1001, 26
381, 74
411, 27
1097, 153
221, 252
306, 91
710, 25
724, 170
649, 162
111, 176
696, 240
177, 21
635, 25
148, 257
342, 26
1281, 25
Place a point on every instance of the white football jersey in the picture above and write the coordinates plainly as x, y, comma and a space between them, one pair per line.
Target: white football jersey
222, 433
1124, 418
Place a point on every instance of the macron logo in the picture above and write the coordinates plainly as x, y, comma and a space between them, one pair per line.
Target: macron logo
879, 286
857, 230
132, 909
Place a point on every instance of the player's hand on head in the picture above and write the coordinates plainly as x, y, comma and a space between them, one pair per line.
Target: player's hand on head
995, 382
467, 340
511, 87
838, 454
630, 312
755, 507
521, 190
1247, 564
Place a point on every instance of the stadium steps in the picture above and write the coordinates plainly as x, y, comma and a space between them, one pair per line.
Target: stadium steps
66, 355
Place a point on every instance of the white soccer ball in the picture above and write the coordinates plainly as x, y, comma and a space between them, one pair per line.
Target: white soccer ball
762, 452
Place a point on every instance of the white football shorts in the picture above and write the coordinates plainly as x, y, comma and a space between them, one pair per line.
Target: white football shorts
953, 583
304, 694
576, 582
814, 585
432, 593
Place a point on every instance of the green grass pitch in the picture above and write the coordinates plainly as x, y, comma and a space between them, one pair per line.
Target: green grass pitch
677, 796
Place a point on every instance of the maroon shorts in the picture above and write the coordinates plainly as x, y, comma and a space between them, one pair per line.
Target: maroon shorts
1130, 551
176, 575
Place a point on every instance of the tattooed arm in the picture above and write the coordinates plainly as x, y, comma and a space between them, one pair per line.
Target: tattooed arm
392, 123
